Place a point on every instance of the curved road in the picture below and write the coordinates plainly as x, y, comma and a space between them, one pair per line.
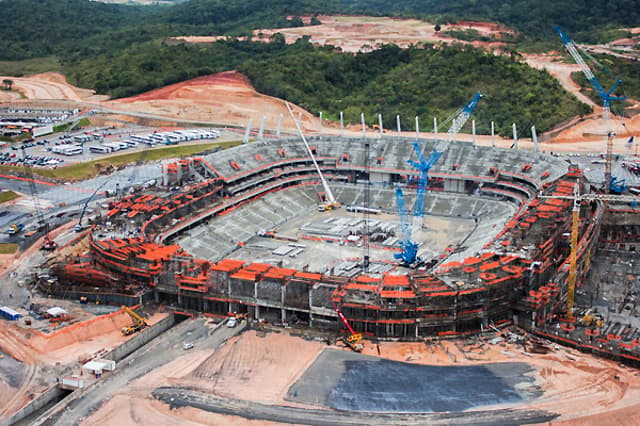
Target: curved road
181, 397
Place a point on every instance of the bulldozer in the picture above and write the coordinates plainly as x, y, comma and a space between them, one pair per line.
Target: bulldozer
139, 323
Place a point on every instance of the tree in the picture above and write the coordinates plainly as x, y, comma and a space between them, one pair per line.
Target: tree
315, 20
437, 28
7, 83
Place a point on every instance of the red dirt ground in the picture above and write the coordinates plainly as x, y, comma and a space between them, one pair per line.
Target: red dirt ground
225, 98
356, 33
48, 85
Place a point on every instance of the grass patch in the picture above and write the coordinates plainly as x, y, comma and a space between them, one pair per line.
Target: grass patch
89, 169
61, 127
8, 196
8, 248
84, 122
30, 66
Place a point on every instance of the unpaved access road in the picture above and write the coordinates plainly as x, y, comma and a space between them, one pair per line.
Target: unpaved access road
157, 353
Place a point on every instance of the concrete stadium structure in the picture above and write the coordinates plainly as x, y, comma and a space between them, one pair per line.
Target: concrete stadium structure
189, 242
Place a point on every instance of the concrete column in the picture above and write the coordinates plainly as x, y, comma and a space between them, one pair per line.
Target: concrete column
283, 314
515, 136
279, 125
417, 128
534, 137
320, 124
247, 132
261, 130
380, 129
341, 123
493, 136
398, 125
473, 133
435, 128
364, 127
255, 297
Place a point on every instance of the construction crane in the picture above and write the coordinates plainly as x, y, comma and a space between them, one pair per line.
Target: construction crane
459, 118
353, 340
139, 323
577, 199
409, 254
48, 243
330, 202
79, 227
424, 166
606, 95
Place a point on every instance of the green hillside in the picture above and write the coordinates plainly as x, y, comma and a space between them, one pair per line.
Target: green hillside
419, 81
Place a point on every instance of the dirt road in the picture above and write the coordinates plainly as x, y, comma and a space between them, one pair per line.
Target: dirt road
155, 354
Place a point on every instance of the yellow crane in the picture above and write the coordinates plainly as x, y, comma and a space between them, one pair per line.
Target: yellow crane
575, 222
138, 322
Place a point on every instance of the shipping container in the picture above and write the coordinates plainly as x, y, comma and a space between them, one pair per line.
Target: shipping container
9, 313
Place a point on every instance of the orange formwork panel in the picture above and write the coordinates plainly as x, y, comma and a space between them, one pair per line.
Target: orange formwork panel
395, 280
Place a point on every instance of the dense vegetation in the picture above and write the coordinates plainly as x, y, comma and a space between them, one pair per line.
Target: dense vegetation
418, 81
123, 50
531, 17
81, 28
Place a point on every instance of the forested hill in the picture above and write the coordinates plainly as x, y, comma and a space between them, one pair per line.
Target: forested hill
33, 28
418, 81
531, 17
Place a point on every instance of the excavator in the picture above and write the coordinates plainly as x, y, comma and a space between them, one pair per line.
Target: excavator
353, 340
138, 322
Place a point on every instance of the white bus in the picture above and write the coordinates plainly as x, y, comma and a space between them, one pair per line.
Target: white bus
72, 150
100, 149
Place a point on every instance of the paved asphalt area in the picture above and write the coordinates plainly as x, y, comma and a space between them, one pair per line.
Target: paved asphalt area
360, 389
353, 382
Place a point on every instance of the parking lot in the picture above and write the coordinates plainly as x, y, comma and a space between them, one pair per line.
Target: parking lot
94, 143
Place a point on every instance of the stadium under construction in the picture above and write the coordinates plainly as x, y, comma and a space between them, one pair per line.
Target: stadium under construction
239, 231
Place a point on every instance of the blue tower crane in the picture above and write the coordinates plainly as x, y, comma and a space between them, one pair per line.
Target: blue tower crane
607, 97
424, 166
409, 253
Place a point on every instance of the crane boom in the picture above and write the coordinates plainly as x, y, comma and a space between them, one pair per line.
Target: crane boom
353, 339
325, 185
461, 119
606, 96
79, 226
48, 244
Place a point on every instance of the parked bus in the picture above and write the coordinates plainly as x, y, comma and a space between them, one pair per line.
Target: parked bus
100, 149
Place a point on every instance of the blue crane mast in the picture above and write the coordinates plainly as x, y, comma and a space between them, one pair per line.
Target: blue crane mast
610, 182
409, 254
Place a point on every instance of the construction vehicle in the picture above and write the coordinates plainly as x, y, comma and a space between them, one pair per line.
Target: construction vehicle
15, 229
607, 97
330, 201
353, 340
139, 323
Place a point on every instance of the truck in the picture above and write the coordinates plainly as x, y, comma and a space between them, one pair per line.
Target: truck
15, 229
